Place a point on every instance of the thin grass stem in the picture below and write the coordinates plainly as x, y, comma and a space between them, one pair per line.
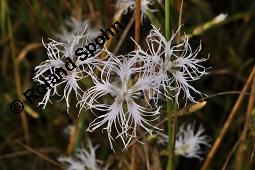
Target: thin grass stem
169, 102
137, 39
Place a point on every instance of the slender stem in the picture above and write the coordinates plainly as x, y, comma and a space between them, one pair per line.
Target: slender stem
170, 149
180, 22
137, 39
174, 106
170, 161
80, 127
167, 19
124, 35
76, 136
137, 21
72, 140
38, 154
23, 116
244, 134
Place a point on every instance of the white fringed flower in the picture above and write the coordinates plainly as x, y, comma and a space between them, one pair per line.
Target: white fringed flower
176, 64
123, 6
188, 142
126, 112
83, 160
57, 53
77, 27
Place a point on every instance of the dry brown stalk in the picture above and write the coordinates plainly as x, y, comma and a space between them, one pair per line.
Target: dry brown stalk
137, 39
240, 151
230, 154
175, 115
124, 34
26, 50
228, 122
18, 82
145, 148
25, 152
38, 154
73, 139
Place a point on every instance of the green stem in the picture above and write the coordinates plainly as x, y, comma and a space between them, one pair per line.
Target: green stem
170, 162
170, 148
167, 19
81, 120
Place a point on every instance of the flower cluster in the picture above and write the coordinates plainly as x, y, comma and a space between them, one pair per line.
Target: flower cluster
128, 87
125, 112
176, 64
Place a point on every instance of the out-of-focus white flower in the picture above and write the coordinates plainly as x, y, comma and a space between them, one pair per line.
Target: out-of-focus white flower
57, 58
188, 142
76, 27
176, 64
123, 6
83, 159
125, 113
